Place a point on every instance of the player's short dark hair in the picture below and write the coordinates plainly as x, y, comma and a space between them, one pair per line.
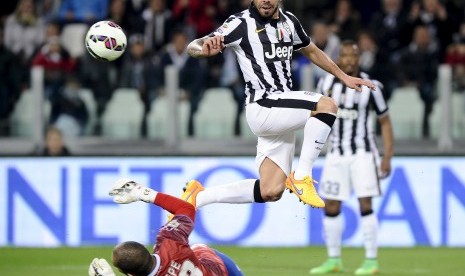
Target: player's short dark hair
132, 257
350, 43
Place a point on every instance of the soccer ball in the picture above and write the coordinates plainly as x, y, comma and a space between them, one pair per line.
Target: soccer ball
106, 41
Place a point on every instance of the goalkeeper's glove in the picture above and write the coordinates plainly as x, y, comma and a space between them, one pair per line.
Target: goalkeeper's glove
100, 267
126, 191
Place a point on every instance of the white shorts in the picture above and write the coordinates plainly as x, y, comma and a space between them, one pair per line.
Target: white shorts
344, 173
275, 119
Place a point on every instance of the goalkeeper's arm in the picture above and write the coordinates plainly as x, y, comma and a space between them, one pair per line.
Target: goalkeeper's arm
175, 205
126, 191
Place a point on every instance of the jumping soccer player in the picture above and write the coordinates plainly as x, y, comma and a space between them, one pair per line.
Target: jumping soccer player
264, 37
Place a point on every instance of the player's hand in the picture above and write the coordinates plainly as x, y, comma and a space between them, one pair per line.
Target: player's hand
385, 168
212, 46
357, 83
100, 267
126, 191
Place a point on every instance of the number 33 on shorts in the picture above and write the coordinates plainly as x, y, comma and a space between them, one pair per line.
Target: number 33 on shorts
331, 188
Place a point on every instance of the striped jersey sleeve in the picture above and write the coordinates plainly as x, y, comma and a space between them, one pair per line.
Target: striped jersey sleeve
233, 30
301, 39
325, 84
377, 99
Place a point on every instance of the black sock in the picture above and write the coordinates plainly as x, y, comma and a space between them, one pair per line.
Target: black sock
257, 195
326, 118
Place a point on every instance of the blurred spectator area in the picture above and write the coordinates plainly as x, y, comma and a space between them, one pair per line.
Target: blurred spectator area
131, 106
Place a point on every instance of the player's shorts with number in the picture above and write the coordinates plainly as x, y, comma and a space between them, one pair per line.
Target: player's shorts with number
343, 174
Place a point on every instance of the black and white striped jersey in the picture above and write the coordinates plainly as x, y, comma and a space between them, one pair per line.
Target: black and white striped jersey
264, 49
353, 128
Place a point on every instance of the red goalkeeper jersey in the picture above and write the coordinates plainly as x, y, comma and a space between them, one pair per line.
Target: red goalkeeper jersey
177, 258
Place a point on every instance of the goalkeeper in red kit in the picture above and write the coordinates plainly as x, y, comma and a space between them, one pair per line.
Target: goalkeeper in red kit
172, 254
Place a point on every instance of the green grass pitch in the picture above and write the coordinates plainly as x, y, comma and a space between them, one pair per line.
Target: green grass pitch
253, 261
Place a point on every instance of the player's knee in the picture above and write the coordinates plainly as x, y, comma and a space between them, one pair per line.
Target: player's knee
365, 205
332, 208
327, 105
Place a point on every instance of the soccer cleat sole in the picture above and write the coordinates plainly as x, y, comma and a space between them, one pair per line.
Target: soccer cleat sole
304, 203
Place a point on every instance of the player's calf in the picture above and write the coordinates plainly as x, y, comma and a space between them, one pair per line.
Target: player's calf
269, 192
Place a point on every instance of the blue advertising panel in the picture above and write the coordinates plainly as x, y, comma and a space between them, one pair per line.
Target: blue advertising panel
65, 202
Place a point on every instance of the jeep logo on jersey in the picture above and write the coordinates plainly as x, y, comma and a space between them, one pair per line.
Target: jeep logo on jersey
278, 51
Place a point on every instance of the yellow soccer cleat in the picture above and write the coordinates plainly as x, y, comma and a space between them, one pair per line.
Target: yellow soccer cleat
304, 190
192, 189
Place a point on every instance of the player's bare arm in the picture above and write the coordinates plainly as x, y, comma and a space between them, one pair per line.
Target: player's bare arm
388, 141
318, 57
206, 46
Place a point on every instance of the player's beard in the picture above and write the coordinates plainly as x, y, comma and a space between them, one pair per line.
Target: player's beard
267, 16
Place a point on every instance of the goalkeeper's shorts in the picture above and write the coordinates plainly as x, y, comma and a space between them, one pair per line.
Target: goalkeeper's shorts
231, 266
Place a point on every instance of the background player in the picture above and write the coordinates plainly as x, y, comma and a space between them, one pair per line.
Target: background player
172, 254
351, 160
263, 38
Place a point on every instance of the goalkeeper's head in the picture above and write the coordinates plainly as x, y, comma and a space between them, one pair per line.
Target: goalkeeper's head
132, 258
